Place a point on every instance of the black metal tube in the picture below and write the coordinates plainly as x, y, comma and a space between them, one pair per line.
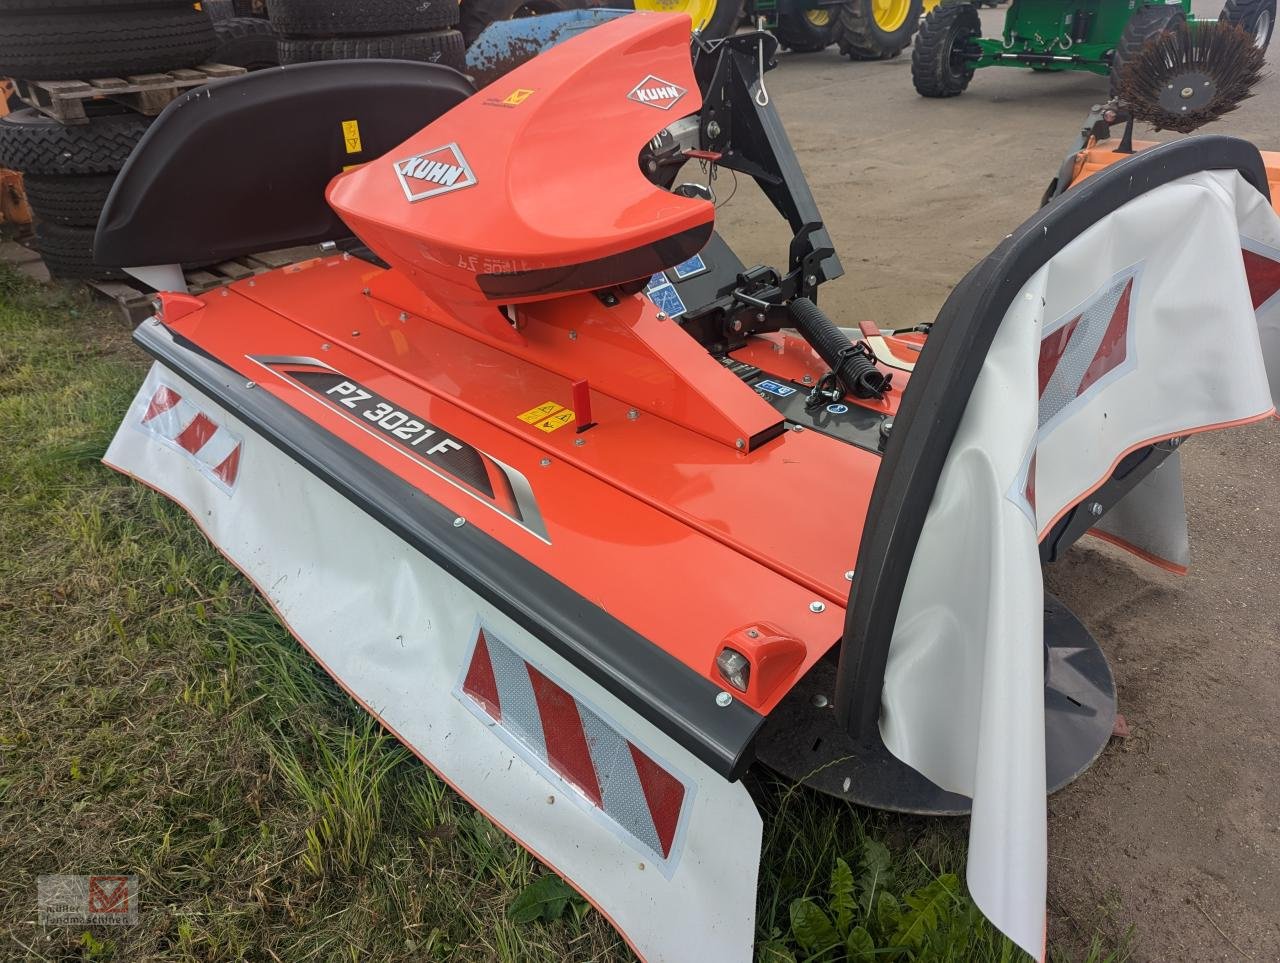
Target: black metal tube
856, 372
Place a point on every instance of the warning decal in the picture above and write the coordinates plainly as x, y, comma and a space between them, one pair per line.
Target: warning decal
548, 416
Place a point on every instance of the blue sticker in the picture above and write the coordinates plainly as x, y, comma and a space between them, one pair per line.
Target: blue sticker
838, 409
774, 388
666, 299
689, 268
656, 281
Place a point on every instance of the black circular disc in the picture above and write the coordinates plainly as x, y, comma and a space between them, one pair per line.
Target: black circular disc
801, 740
1188, 91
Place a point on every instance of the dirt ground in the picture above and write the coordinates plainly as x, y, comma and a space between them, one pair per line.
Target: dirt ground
1176, 831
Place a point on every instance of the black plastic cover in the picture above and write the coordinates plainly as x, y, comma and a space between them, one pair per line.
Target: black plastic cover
242, 165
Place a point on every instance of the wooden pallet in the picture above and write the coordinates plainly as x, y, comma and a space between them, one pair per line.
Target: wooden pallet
137, 303
66, 100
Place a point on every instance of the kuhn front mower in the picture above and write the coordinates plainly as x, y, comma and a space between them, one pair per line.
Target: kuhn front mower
594, 516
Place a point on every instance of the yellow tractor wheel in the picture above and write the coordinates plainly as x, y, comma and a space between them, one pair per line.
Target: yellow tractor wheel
878, 29
807, 30
713, 19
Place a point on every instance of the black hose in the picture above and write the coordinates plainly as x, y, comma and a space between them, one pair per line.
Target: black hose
849, 362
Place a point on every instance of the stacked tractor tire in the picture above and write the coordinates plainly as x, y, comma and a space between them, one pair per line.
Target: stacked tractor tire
68, 169
421, 30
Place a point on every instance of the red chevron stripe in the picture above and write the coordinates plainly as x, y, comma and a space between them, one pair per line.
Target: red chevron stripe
479, 683
664, 794
1263, 276
161, 401
194, 436
566, 742
1052, 348
230, 466
1114, 347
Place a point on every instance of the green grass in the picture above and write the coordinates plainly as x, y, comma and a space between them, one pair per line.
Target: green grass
156, 719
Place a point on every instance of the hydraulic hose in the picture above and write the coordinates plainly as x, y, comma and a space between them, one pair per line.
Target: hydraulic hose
855, 371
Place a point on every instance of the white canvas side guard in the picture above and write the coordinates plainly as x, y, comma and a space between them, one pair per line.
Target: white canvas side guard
663, 846
1141, 329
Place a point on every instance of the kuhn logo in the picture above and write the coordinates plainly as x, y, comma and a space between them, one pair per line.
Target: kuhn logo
434, 172
657, 92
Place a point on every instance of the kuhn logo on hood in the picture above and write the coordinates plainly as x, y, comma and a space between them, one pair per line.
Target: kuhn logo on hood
657, 92
433, 172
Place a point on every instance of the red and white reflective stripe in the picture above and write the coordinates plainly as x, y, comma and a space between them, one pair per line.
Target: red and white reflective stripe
1262, 274
614, 774
1080, 350
213, 448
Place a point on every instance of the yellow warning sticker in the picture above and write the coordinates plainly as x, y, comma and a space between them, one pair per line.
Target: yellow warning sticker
351, 136
558, 420
547, 416
517, 97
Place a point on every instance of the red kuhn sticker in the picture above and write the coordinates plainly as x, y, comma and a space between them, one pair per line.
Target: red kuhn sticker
657, 92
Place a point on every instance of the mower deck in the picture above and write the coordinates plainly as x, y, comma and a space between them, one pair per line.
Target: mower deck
667, 521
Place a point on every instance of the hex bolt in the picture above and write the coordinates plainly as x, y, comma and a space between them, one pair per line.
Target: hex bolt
662, 315
816, 607
545, 463
798, 428
325, 346
632, 414
573, 335
741, 444
848, 576
811, 280
737, 324
752, 634
252, 283
579, 442
250, 384
404, 315
365, 292
355, 334
723, 699
713, 129
459, 522
1095, 509
820, 701
224, 292
807, 379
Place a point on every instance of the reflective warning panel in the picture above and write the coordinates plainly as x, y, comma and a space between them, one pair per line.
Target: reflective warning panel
178, 423
570, 743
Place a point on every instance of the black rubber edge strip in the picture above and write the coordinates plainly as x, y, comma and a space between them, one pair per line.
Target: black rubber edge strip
943, 380
603, 272
663, 690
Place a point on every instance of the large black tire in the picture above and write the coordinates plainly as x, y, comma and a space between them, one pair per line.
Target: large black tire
939, 65
332, 18
1145, 24
1256, 16
862, 38
245, 42
68, 253
69, 201
441, 47
34, 6
34, 144
475, 15
803, 31
103, 43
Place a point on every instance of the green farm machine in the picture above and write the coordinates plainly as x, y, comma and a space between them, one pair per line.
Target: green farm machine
1098, 36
